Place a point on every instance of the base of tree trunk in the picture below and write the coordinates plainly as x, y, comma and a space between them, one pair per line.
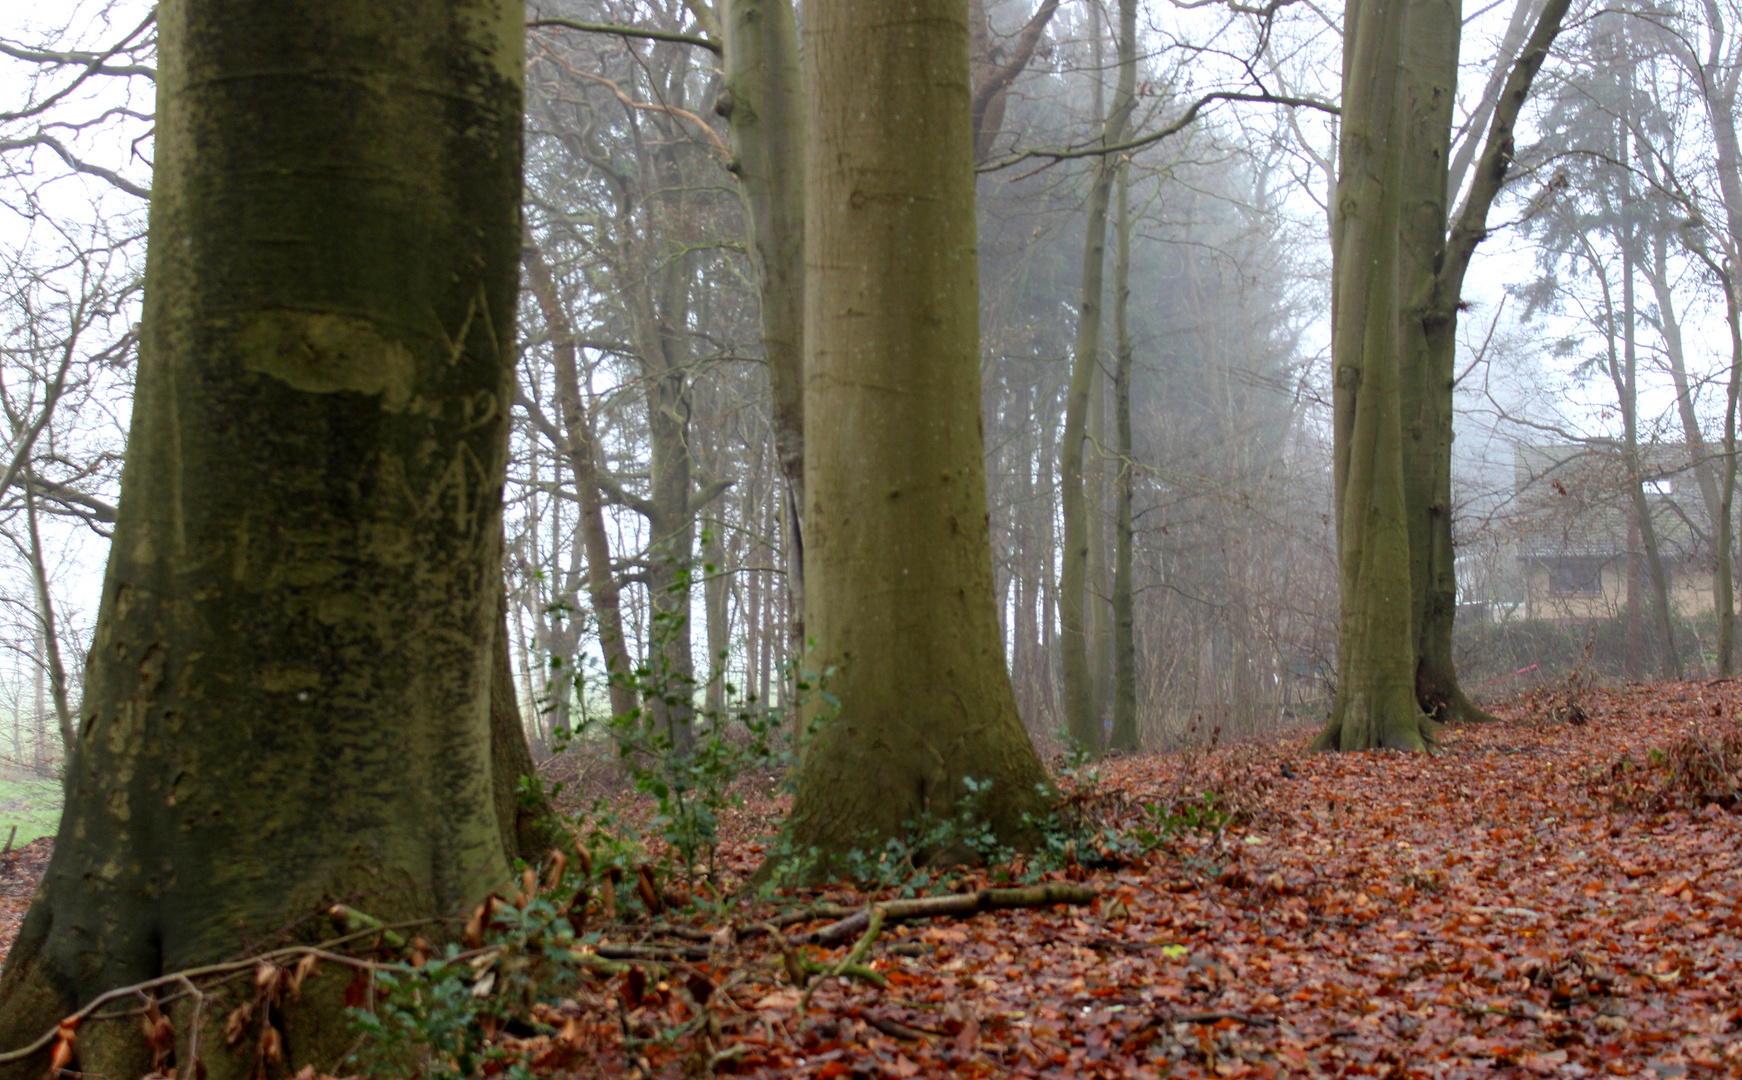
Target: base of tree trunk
1455, 707
33, 1005
1385, 718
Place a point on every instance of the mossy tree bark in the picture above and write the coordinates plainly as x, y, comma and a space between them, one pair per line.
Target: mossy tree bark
1396, 291
1375, 703
287, 700
897, 546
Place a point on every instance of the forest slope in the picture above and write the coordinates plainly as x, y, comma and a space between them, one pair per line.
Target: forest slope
1522, 903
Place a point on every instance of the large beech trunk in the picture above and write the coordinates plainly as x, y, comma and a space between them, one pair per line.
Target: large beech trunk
1399, 71
287, 700
897, 550
1396, 288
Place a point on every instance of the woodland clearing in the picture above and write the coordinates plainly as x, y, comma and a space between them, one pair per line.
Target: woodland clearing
1539, 898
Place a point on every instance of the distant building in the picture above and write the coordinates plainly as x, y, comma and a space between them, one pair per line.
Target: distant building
1573, 518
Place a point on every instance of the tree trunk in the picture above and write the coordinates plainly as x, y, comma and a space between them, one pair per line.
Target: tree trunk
1430, 334
897, 549
1389, 60
578, 449
1635, 600
992, 78
51, 661
714, 604
1430, 342
1082, 718
1124, 736
1097, 596
763, 104
1726, 587
1657, 272
288, 692
1718, 89
1669, 660
1526, 14
522, 813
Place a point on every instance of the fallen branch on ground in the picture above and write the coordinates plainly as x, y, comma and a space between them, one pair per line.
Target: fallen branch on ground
935, 907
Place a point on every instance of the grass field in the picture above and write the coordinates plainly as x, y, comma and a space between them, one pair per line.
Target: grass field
32, 805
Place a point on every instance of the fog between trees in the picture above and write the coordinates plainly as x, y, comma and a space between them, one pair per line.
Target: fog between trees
635, 215
1213, 486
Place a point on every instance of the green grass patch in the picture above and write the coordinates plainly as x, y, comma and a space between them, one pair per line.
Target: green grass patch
32, 805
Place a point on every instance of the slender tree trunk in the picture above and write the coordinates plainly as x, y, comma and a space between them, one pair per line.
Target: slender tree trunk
1526, 15
522, 813
1098, 595
1124, 640
1051, 617
602, 589
57, 672
1082, 718
295, 645
670, 513
898, 556
1657, 272
1725, 579
1718, 83
1718, 89
1635, 599
1669, 659
995, 69
763, 105
714, 604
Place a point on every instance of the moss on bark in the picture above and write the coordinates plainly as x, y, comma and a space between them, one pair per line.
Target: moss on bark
287, 699
897, 551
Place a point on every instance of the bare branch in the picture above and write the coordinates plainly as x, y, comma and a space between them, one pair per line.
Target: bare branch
614, 493
1471, 221
1185, 121
630, 32
92, 60
1004, 75
90, 69
77, 164
81, 504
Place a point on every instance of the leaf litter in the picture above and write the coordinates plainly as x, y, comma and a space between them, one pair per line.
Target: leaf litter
1539, 898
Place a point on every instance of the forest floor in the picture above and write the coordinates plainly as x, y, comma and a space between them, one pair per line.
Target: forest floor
1542, 897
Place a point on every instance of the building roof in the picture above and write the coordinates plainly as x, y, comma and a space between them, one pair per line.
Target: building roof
1573, 500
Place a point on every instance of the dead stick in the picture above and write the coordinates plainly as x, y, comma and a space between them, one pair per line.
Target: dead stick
1249, 1019
932, 907
815, 911
666, 953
